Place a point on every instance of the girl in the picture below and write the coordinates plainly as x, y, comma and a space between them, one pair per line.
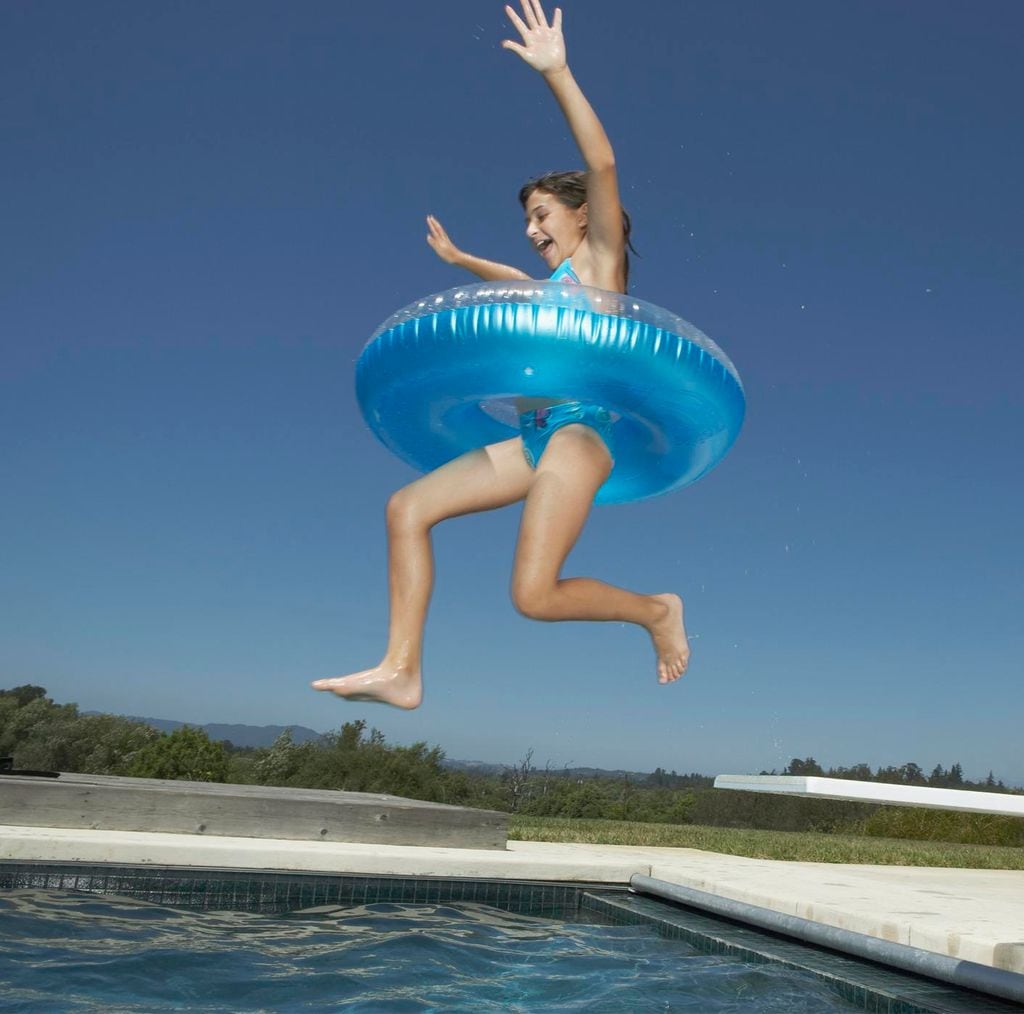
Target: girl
576, 223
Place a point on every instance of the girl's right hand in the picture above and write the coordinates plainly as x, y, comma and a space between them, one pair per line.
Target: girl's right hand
440, 243
543, 46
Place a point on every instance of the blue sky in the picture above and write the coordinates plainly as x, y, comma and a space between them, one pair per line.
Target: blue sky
208, 208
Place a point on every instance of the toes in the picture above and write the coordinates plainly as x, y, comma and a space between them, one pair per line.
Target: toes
671, 669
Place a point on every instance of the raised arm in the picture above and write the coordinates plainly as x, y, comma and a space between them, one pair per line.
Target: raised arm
489, 271
543, 48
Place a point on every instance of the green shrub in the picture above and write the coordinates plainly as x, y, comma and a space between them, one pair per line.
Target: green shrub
187, 754
351, 761
771, 812
920, 824
55, 737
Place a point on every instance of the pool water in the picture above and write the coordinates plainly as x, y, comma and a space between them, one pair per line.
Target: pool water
76, 952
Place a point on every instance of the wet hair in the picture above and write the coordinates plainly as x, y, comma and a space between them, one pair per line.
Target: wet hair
570, 189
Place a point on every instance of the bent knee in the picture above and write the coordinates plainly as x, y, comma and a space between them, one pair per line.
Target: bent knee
404, 510
532, 599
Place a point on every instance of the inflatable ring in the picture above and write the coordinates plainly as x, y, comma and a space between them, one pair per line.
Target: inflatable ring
442, 376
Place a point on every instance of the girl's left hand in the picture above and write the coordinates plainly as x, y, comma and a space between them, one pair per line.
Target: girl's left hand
543, 45
441, 243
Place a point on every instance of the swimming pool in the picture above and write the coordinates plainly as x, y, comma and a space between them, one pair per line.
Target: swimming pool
120, 953
134, 939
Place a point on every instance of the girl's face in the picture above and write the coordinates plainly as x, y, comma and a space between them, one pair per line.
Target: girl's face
554, 229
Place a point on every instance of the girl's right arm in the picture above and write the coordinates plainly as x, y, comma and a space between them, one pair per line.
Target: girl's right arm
543, 49
489, 271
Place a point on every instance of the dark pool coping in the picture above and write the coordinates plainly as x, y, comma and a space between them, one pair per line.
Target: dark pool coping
868, 986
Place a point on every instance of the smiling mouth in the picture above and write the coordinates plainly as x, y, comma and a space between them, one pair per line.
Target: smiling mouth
543, 246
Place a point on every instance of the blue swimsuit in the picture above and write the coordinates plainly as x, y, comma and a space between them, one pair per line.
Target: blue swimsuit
565, 273
538, 427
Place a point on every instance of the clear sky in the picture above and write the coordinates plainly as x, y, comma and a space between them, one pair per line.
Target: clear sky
207, 208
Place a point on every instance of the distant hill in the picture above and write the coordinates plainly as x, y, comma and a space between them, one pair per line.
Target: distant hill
237, 735
474, 767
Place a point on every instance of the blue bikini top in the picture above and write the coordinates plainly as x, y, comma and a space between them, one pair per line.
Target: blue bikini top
565, 273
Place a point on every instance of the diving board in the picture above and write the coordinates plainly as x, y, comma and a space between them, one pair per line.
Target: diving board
1002, 803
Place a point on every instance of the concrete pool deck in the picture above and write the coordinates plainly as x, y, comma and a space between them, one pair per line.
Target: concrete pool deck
972, 915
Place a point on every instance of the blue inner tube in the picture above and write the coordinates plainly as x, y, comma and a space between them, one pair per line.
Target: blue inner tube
442, 376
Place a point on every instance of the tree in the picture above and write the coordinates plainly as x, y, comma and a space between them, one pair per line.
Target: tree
859, 773
911, 774
583, 801
279, 763
107, 744
187, 753
55, 737
24, 694
808, 766
517, 780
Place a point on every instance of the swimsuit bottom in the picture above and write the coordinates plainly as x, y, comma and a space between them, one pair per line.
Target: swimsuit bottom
540, 425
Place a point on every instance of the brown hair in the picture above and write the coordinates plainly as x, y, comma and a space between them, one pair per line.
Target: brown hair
570, 189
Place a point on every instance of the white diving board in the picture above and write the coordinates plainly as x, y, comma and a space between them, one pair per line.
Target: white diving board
1003, 803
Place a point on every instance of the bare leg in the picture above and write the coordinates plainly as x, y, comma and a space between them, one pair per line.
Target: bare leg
573, 467
485, 479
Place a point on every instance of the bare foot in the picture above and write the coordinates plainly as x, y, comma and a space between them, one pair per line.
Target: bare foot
669, 637
397, 685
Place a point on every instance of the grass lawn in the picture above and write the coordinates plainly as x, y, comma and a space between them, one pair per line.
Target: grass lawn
793, 845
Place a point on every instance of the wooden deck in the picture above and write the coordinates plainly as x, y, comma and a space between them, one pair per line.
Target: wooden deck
101, 802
